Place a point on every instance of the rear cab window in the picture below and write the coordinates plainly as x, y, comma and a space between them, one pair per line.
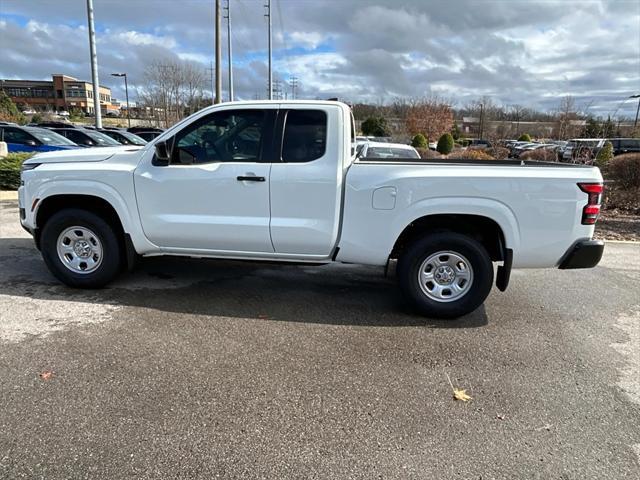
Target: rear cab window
304, 137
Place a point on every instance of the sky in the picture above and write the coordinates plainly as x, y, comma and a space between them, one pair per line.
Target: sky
530, 53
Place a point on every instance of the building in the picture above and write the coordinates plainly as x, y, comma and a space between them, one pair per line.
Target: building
61, 93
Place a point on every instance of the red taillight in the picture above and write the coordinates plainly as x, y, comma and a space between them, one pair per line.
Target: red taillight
591, 210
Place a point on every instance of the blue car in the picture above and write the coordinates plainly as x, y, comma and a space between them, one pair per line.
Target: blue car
33, 139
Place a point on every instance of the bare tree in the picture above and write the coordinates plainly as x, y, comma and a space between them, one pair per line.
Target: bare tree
431, 116
173, 89
566, 118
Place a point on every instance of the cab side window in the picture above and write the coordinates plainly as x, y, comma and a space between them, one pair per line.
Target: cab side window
227, 136
305, 136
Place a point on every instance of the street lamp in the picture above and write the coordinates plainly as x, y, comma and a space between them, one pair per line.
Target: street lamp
635, 122
126, 91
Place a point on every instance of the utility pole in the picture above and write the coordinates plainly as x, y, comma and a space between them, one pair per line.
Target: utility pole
268, 15
212, 79
94, 65
481, 120
293, 81
635, 122
230, 57
217, 96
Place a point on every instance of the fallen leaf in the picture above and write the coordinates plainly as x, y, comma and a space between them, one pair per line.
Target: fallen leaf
47, 374
459, 394
262, 316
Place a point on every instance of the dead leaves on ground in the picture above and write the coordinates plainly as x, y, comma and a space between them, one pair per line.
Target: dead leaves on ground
459, 394
47, 375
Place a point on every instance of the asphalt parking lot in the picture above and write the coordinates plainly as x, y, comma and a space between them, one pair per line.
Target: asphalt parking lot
198, 369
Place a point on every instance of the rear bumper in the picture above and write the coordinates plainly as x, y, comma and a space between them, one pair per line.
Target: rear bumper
584, 254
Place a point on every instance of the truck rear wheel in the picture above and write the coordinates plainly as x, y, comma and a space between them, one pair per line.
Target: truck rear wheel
80, 249
445, 275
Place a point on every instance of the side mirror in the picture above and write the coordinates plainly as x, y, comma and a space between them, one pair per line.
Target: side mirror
163, 154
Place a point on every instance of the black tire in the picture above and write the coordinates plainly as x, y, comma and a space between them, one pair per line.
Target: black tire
111, 262
419, 251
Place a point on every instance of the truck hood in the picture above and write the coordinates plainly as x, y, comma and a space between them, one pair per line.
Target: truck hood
97, 154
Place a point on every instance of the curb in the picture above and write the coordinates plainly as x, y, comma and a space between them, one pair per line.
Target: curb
633, 242
8, 195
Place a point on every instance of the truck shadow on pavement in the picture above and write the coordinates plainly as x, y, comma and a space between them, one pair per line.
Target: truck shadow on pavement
332, 294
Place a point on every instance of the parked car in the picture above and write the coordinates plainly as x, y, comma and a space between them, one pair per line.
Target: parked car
582, 148
33, 139
29, 111
87, 138
278, 181
144, 129
53, 124
123, 137
475, 143
148, 136
625, 145
521, 147
387, 150
63, 113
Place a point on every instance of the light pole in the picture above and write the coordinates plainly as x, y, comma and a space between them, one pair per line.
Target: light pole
126, 92
94, 65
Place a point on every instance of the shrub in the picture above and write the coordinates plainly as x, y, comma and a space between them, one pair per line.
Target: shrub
475, 155
624, 170
525, 137
426, 153
445, 144
375, 126
499, 153
10, 170
605, 155
540, 154
8, 110
419, 141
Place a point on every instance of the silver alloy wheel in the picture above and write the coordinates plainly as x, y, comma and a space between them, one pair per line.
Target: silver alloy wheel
79, 249
445, 276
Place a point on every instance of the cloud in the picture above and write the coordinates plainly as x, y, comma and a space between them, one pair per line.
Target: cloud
530, 53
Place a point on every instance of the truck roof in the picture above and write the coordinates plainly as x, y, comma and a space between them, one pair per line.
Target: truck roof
277, 102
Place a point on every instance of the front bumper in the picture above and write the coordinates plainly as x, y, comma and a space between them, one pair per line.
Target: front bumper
584, 254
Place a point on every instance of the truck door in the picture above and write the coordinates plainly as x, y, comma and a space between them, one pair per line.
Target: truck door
214, 194
306, 181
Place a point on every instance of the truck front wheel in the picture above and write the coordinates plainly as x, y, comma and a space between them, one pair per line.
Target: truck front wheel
80, 249
445, 275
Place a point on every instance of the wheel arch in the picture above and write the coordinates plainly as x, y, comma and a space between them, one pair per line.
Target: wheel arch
49, 206
479, 227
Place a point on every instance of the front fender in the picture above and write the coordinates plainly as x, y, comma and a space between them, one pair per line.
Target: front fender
126, 211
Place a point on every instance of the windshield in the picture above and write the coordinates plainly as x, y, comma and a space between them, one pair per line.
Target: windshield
134, 139
101, 138
47, 137
125, 138
391, 152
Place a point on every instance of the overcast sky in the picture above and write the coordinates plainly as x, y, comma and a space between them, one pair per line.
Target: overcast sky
524, 52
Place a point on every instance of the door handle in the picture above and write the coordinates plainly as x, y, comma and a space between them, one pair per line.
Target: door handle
250, 179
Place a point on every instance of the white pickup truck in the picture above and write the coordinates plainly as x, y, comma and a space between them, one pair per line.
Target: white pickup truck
279, 181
